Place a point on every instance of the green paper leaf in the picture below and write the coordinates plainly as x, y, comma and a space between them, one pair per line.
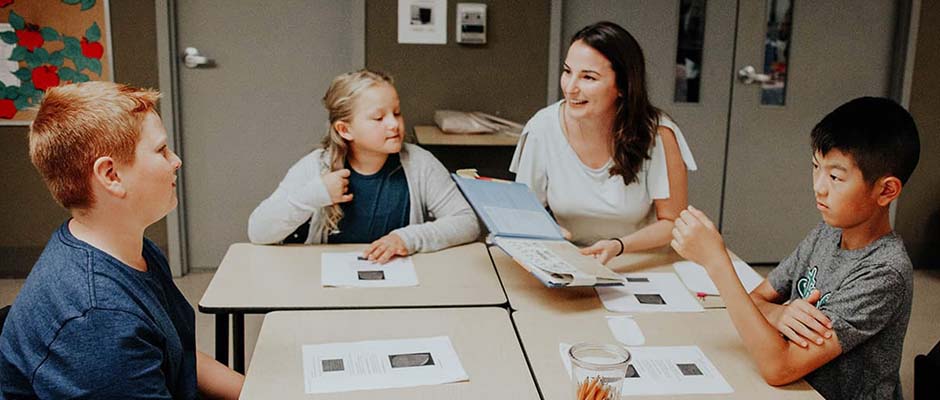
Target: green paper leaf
37, 97
42, 55
82, 78
80, 63
32, 60
10, 92
67, 74
72, 43
56, 58
21, 102
8, 37
49, 34
2, 86
86, 4
27, 89
94, 65
23, 74
71, 53
19, 53
71, 2
16, 21
93, 34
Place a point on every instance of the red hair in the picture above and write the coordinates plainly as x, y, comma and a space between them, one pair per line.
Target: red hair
79, 123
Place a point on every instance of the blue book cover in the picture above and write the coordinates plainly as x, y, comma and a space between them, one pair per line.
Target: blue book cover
509, 209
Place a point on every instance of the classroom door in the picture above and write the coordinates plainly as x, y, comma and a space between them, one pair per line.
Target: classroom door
254, 108
837, 50
754, 175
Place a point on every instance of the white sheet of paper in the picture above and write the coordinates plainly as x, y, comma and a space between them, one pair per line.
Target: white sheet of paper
349, 270
669, 370
422, 21
696, 278
380, 364
649, 292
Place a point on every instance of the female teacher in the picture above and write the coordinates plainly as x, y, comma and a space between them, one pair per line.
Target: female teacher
609, 165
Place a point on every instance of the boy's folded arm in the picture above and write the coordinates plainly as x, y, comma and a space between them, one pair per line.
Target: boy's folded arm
779, 361
767, 300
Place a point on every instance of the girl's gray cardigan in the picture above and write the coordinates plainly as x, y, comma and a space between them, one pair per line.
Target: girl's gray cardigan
440, 216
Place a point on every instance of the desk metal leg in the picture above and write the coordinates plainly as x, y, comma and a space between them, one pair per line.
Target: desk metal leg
221, 338
238, 341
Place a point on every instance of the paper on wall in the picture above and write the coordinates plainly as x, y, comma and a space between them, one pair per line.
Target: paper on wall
422, 21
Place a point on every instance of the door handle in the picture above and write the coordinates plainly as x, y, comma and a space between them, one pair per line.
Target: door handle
192, 58
749, 75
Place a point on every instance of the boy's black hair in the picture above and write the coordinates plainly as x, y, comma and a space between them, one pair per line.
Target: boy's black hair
878, 133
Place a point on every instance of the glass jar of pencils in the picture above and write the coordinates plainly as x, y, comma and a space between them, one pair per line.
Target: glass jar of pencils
598, 370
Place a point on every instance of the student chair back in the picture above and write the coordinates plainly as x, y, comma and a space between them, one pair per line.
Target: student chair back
926, 371
3, 316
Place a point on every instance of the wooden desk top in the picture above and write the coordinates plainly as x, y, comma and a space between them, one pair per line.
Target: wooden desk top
258, 279
526, 293
432, 135
483, 338
713, 332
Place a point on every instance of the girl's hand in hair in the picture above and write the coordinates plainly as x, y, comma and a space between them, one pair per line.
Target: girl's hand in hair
337, 184
385, 248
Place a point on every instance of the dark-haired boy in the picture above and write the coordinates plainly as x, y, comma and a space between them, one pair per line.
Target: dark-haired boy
847, 288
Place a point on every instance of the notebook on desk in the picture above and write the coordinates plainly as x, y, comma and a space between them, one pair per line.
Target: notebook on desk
520, 226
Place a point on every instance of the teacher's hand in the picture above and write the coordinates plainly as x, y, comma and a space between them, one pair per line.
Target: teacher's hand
603, 250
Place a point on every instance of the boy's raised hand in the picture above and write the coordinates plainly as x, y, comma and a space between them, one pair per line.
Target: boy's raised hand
337, 183
800, 321
385, 248
696, 239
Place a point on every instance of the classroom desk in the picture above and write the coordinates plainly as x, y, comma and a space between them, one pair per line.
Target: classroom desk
713, 332
526, 293
483, 338
256, 279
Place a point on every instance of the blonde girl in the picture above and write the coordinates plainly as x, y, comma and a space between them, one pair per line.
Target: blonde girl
365, 185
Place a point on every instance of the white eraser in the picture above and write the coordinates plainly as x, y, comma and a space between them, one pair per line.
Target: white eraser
626, 331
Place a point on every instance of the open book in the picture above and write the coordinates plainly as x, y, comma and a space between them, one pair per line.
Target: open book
520, 226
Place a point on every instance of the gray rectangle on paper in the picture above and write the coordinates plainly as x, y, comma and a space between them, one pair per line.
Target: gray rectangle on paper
410, 360
371, 275
689, 369
332, 365
650, 299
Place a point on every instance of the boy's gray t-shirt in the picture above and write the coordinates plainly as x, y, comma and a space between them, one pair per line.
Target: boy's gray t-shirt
867, 294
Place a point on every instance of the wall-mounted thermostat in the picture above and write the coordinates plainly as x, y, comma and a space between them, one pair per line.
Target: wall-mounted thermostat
471, 23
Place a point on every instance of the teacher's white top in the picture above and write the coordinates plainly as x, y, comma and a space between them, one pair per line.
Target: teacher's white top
589, 202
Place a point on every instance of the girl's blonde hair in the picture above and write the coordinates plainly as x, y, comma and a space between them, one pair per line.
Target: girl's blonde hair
339, 101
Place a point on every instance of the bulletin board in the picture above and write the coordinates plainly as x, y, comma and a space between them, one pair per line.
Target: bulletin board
47, 43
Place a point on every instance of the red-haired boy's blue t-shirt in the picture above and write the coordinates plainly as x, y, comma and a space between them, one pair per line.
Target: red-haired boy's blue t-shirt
87, 325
